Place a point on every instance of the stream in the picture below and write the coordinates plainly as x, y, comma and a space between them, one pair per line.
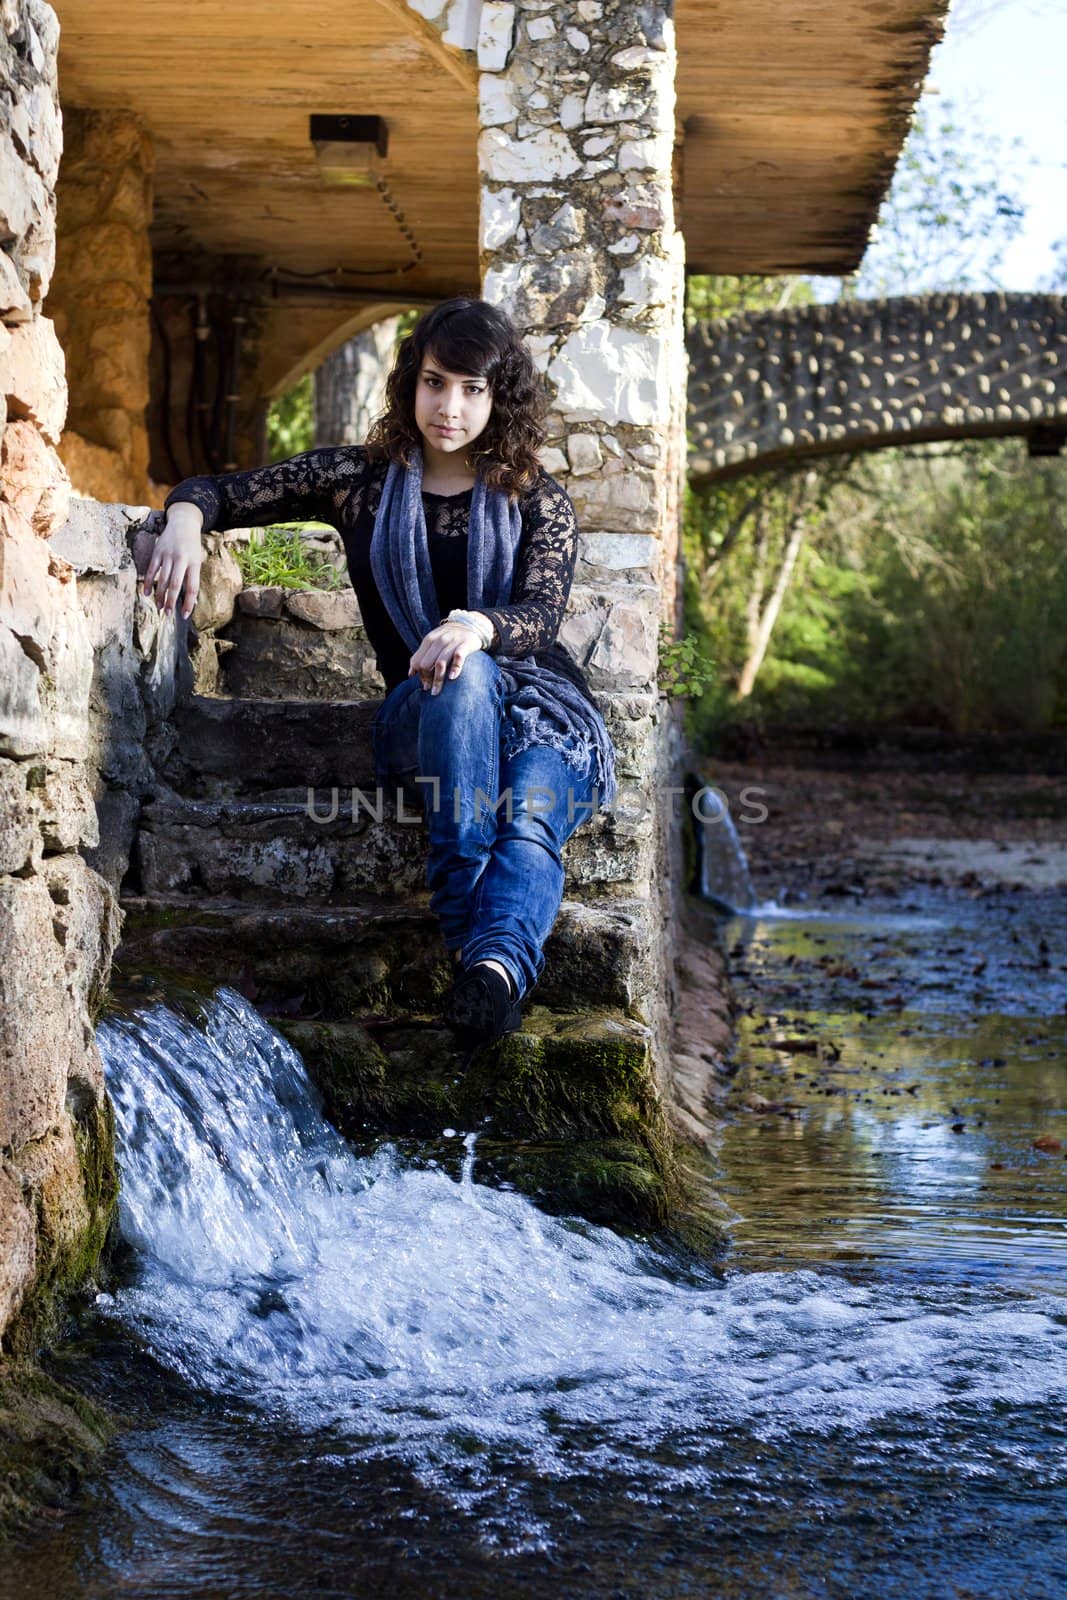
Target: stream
362, 1376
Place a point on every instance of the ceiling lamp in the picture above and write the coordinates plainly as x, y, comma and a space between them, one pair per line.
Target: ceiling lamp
348, 150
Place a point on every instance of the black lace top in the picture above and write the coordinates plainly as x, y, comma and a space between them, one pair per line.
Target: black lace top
339, 486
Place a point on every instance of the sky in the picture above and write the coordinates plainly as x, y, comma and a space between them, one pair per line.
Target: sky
1004, 64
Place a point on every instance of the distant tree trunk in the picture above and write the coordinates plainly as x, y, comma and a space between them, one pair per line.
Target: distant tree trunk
350, 385
762, 618
757, 580
747, 681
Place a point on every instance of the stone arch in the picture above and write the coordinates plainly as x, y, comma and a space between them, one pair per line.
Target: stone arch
772, 387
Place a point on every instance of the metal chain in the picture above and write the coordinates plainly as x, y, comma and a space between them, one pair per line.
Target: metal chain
365, 272
402, 223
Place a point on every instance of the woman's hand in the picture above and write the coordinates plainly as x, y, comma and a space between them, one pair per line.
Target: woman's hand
443, 650
176, 559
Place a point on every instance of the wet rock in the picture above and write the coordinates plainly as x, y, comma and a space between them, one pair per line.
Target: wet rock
49, 1438
567, 1105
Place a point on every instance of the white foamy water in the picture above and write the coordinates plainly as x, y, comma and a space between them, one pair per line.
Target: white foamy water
416, 1314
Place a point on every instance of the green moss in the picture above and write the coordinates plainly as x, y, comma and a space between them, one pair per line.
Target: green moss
584, 1077
64, 1265
50, 1438
568, 1107
408, 1090
613, 1181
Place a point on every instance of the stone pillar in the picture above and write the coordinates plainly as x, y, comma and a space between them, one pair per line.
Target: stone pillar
100, 300
58, 918
579, 243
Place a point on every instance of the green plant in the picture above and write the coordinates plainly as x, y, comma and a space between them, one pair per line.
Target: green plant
279, 557
685, 671
291, 420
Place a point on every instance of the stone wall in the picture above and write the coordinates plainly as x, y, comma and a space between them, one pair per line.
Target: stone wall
70, 677
100, 300
773, 386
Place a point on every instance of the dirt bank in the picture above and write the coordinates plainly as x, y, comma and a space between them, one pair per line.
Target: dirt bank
856, 833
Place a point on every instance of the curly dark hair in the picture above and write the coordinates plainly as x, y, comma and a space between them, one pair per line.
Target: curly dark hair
474, 337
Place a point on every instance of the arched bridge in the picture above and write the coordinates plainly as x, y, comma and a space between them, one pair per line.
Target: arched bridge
778, 386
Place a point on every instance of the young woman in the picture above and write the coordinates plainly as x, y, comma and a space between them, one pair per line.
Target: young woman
461, 551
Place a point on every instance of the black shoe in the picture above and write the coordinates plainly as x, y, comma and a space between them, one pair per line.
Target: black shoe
480, 1008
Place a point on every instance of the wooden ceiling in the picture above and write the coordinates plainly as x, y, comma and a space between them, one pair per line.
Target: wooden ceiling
793, 113
226, 88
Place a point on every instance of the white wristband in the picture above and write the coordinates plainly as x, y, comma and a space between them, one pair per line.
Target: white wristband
481, 625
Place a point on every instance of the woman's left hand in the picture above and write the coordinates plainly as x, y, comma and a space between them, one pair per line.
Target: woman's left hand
442, 652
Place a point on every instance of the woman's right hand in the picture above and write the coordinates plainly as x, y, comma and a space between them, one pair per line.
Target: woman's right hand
176, 559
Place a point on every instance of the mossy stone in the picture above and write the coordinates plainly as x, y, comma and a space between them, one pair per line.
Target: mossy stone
62, 1269
50, 1437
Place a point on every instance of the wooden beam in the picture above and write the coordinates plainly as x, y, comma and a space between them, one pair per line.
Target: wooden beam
454, 61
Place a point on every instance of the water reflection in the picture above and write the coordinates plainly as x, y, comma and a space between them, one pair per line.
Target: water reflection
901, 1126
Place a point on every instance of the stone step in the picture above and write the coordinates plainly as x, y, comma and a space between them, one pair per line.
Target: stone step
310, 646
231, 747
331, 847
234, 747
340, 962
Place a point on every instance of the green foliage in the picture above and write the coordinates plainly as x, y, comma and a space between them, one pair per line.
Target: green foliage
684, 667
710, 295
291, 421
962, 623
933, 595
279, 556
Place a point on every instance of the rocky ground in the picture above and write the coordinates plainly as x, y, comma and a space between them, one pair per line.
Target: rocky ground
858, 833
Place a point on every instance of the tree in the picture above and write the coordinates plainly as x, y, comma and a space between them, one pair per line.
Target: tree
951, 212
946, 223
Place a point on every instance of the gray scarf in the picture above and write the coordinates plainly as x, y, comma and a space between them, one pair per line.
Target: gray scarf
540, 706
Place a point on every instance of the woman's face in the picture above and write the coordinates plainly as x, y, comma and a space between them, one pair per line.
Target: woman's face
451, 408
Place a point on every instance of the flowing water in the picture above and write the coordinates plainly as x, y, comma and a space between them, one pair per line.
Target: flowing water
724, 875
363, 1376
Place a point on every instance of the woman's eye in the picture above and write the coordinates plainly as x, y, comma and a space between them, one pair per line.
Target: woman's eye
434, 382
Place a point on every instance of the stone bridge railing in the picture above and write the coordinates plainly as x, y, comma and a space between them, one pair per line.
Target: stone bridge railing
772, 387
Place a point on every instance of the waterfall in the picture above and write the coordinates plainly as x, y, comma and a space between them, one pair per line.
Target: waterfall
724, 874
425, 1317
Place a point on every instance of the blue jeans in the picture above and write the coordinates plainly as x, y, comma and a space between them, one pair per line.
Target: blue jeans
496, 825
